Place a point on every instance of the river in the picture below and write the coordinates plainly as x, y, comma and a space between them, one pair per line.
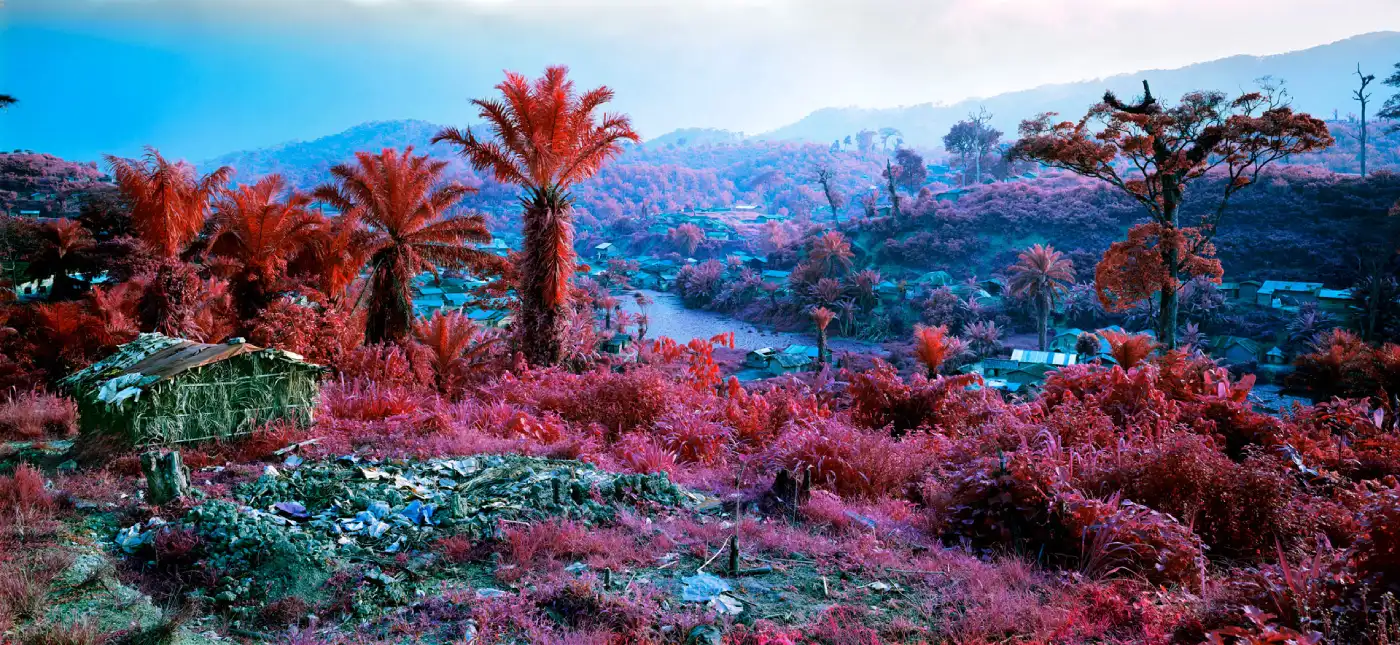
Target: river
669, 317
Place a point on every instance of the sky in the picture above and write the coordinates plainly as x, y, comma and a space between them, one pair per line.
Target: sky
200, 78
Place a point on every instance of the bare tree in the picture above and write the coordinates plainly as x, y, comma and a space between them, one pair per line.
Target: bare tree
834, 199
1360, 95
986, 138
890, 184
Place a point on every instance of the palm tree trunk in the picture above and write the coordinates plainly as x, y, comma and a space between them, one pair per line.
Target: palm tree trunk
1044, 322
390, 310
548, 234
821, 347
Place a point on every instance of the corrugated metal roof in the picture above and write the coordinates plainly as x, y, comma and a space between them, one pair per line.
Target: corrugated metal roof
157, 357
1043, 358
1272, 286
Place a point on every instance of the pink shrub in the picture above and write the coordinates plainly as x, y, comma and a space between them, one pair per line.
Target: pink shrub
36, 415
693, 437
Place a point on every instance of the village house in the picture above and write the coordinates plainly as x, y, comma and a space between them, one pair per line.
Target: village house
785, 363
1279, 293
1243, 291
759, 358
604, 251
162, 390
1234, 350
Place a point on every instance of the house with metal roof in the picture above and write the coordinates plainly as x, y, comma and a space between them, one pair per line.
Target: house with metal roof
785, 363
1234, 350
162, 390
759, 358
1056, 359
1279, 293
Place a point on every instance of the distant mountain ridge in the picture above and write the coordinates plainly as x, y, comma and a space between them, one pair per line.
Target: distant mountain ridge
1319, 78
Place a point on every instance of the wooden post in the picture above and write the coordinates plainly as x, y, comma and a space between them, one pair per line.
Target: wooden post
167, 479
734, 555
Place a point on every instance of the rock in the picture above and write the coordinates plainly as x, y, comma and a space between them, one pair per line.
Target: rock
705, 635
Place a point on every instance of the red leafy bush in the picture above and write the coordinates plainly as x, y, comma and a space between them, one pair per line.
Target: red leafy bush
1238, 509
1118, 535
850, 461
881, 399
23, 496
693, 437
999, 501
36, 415
323, 335
388, 364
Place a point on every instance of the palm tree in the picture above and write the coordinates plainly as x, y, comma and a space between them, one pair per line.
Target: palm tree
260, 234
1129, 349
168, 201
1043, 275
6, 101
453, 342
822, 317
934, 347
832, 252
339, 250
63, 246
547, 138
400, 199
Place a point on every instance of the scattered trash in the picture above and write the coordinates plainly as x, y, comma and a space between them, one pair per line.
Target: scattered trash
703, 587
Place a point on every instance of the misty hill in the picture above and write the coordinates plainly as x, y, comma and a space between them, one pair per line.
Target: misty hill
306, 163
1320, 79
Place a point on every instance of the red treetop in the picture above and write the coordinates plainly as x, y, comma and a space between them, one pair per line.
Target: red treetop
168, 202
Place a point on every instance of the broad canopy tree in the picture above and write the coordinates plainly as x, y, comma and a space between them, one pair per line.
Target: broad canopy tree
1152, 151
547, 138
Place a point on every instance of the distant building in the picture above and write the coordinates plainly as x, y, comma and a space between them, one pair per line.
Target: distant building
604, 251
1056, 359
1234, 350
759, 358
784, 363
1278, 293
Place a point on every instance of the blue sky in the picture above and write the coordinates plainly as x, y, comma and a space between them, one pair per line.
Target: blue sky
198, 78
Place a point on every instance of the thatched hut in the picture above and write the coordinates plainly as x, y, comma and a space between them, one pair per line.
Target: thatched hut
162, 390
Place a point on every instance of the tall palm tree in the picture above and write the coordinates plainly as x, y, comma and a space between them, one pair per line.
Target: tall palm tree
260, 233
399, 197
547, 138
1043, 275
169, 202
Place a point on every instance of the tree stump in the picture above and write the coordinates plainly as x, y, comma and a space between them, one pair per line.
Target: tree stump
167, 479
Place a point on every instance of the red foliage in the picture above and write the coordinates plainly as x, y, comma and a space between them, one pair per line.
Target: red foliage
1134, 270
37, 415
455, 345
260, 232
23, 496
168, 202
1118, 535
1238, 509
324, 335
694, 438
1128, 350
388, 364
850, 461
933, 346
